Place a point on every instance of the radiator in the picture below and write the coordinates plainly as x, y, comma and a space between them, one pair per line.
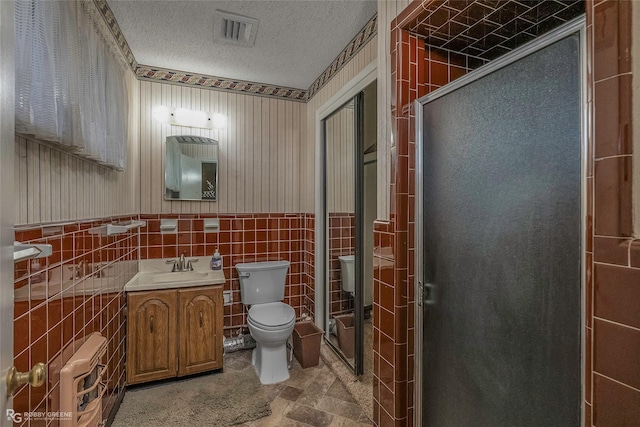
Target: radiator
81, 384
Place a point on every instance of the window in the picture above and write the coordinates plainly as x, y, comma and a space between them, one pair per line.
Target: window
70, 83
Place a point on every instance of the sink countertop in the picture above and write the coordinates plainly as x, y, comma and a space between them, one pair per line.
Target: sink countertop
155, 274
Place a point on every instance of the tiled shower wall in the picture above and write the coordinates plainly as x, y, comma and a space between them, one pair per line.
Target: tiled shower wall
612, 318
416, 71
56, 308
611, 387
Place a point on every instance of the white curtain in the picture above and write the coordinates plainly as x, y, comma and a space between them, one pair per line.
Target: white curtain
70, 83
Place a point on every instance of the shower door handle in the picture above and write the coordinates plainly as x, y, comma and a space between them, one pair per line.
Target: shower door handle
429, 294
426, 293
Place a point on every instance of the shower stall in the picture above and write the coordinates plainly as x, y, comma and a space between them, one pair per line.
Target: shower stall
499, 240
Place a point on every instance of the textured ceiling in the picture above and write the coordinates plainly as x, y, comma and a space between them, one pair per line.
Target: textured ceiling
296, 40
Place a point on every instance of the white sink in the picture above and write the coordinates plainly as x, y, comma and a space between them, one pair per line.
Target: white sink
179, 276
153, 275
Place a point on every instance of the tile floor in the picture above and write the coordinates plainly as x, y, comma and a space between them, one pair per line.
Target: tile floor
311, 397
361, 388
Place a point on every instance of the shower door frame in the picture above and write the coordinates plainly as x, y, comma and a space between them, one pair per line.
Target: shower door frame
576, 26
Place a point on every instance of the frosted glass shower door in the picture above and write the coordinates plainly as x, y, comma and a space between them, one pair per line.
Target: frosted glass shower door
502, 246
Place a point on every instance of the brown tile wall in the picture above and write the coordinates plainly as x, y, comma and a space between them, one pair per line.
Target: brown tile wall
341, 242
242, 238
51, 314
384, 354
415, 71
63, 313
612, 332
612, 328
309, 264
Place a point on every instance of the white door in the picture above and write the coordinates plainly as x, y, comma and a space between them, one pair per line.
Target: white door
6, 206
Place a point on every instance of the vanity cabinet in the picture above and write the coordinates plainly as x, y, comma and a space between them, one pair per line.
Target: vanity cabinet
174, 332
200, 330
151, 335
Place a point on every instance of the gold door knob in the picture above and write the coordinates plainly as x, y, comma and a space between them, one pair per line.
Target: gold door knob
35, 377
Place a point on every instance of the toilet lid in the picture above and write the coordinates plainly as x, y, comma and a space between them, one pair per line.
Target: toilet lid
272, 314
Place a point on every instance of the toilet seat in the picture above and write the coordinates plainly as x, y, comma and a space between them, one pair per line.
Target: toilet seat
271, 316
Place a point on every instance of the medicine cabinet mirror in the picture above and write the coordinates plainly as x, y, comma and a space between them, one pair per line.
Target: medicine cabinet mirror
191, 168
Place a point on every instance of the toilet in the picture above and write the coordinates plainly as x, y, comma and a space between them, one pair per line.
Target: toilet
347, 273
270, 320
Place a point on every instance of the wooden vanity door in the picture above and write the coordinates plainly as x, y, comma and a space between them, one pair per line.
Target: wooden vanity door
152, 336
200, 330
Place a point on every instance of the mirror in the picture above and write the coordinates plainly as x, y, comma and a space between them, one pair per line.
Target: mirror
191, 168
340, 151
350, 178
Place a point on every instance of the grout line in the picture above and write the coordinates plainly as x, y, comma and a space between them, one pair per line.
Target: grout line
616, 323
618, 156
613, 77
617, 265
629, 251
616, 381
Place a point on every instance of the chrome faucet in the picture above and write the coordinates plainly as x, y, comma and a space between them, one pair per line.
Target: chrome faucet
181, 264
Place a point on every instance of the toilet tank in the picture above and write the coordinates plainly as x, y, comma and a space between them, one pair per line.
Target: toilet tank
348, 273
262, 282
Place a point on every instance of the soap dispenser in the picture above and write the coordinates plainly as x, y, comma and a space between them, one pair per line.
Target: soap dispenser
216, 260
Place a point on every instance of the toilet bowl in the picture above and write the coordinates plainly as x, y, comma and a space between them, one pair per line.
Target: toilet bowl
270, 321
271, 325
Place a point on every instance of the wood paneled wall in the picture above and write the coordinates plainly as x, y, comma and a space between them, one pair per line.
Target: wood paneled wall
307, 176
267, 157
340, 148
54, 186
259, 151
387, 11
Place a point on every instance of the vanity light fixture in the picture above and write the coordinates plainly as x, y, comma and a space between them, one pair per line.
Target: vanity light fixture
219, 121
189, 118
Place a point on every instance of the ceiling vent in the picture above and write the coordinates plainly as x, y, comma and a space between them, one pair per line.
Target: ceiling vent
236, 29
